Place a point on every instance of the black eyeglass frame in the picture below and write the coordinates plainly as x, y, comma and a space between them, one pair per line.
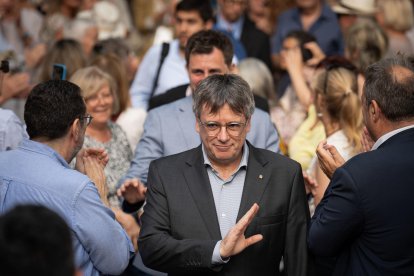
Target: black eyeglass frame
87, 118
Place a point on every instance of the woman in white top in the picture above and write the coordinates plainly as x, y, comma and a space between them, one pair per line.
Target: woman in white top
339, 108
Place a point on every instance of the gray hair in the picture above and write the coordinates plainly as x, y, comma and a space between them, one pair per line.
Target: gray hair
391, 88
259, 77
217, 90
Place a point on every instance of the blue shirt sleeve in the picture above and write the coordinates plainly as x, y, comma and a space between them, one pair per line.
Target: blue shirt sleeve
107, 244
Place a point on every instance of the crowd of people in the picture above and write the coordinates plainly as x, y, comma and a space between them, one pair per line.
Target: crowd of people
206, 137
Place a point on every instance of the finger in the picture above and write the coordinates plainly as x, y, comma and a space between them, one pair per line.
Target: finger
253, 239
339, 160
248, 217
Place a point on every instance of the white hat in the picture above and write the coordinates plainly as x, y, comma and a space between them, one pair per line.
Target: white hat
355, 7
108, 20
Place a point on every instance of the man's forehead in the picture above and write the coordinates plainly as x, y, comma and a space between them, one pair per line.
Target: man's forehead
216, 56
209, 111
194, 14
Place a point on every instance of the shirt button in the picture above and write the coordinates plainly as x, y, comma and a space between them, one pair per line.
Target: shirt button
223, 215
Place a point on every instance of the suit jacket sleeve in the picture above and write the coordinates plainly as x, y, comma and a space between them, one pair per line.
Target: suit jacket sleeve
296, 257
157, 246
149, 148
337, 218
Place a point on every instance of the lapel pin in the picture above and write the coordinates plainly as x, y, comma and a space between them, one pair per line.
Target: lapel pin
260, 176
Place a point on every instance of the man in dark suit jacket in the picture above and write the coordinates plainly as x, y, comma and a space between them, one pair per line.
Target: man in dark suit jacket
232, 20
225, 207
366, 217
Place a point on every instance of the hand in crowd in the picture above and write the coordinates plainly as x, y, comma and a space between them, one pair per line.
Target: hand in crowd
329, 158
92, 162
130, 226
310, 184
132, 190
94, 170
235, 241
293, 60
34, 55
366, 140
98, 153
317, 53
14, 85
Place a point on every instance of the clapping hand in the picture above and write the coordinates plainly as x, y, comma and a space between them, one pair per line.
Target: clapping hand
329, 158
132, 190
97, 153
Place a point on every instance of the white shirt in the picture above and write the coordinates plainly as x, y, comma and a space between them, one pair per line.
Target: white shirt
173, 73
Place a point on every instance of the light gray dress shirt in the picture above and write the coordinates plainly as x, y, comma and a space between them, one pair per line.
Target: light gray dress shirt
227, 194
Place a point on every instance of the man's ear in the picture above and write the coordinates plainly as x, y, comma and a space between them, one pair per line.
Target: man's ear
234, 69
375, 111
197, 126
76, 128
248, 124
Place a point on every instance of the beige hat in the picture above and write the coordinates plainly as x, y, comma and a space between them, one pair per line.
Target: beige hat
108, 20
355, 7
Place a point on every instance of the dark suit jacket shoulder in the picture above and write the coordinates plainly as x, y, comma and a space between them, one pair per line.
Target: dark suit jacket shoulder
180, 224
366, 216
256, 42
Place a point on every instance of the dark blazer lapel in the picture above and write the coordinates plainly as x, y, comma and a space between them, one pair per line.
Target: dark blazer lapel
256, 181
199, 185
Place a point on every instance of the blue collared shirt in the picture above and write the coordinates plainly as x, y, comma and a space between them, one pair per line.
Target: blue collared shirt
326, 30
235, 28
12, 130
36, 174
173, 73
227, 194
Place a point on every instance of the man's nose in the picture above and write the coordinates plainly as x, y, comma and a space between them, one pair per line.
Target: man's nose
223, 135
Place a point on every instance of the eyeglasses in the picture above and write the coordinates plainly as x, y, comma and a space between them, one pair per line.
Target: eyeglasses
233, 128
87, 118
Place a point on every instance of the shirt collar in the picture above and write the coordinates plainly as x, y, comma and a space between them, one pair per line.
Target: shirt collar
388, 135
235, 27
243, 161
44, 149
325, 13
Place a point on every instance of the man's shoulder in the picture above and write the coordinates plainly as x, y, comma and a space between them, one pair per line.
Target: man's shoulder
259, 116
175, 159
288, 15
171, 107
171, 95
273, 157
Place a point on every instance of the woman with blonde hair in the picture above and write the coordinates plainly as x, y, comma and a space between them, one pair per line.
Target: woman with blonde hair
338, 107
99, 92
396, 18
65, 51
131, 120
365, 44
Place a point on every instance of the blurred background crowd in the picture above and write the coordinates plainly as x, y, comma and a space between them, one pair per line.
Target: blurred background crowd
305, 59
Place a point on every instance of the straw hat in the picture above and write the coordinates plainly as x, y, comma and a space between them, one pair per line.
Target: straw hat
108, 20
355, 7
